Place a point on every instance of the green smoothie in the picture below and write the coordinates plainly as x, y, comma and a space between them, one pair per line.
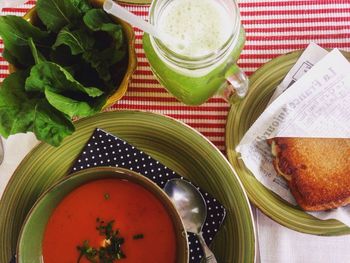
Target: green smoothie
188, 21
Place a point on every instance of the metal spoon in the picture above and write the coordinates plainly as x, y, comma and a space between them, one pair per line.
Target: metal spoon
192, 208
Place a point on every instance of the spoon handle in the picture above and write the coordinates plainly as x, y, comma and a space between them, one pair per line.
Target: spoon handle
208, 254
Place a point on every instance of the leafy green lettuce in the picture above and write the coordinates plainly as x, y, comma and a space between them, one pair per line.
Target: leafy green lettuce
56, 14
22, 112
98, 20
66, 67
16, 32
79, 41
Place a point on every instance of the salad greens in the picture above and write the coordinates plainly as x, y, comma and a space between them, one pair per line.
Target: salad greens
79, 40
21, 111
16, 32
56, 14
66, 66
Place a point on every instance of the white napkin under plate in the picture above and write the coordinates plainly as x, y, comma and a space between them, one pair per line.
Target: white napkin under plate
16, 148
279, 244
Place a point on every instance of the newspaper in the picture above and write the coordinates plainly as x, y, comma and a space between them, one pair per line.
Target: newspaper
312, 54
312, 101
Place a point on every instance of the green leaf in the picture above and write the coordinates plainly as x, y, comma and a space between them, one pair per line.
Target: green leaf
56, 14
116, 32
48, 75
98, 20
62, 55
6, 54
103, 60
99, 64
22, 112
69, 106
82, 5
78, 41
16, 109
50, 125
62, 91
38, 57
87, 75
15, 32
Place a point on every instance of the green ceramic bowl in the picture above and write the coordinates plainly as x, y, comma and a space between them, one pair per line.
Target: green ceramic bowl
29, 248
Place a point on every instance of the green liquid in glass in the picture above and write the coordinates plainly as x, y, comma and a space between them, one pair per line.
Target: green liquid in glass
187, 89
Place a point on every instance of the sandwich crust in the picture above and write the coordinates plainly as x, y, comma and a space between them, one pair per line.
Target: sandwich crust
317, 169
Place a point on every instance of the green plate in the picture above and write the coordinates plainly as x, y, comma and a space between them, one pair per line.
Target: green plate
174, 144
262, 85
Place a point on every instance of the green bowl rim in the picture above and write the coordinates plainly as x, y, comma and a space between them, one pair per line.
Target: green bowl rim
123, 172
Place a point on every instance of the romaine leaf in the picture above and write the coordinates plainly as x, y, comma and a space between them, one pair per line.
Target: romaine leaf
99, 64
82, 5
38, 57
102, 61
69, 106
48, 75
56, 14
98, 20
78, 41
50, 125
16, 109
6, 54
15, 32
62, 56
87, 75
116, 32
20, 112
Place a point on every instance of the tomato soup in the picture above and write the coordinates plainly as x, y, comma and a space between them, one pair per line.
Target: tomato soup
118, 206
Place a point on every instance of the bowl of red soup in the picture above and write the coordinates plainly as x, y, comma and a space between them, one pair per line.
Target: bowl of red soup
103, 215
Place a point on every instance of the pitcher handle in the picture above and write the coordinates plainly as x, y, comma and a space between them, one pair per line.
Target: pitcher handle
237, 87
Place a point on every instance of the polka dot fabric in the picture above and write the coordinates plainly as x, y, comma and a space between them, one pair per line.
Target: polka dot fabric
104, 149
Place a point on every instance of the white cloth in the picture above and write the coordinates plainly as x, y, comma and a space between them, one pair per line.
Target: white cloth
11, 3
277, 243
16, 147
282, 245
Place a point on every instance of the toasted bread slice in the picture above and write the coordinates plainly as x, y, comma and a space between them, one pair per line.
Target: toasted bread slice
317, 169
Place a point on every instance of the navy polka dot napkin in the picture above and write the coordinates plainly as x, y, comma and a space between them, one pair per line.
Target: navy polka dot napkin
104, 149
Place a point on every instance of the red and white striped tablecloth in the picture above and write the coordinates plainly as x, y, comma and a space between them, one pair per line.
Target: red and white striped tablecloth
273, 28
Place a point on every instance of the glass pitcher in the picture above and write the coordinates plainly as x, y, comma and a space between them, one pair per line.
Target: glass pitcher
194, 78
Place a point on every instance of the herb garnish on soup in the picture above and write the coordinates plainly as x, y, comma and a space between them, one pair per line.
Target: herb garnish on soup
109, 251
107, 221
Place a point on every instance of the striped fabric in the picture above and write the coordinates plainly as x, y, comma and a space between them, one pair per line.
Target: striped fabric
273, 28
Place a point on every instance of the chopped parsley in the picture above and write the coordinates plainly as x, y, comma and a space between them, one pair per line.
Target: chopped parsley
138, 236
87, 251
106, 196
110, 251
